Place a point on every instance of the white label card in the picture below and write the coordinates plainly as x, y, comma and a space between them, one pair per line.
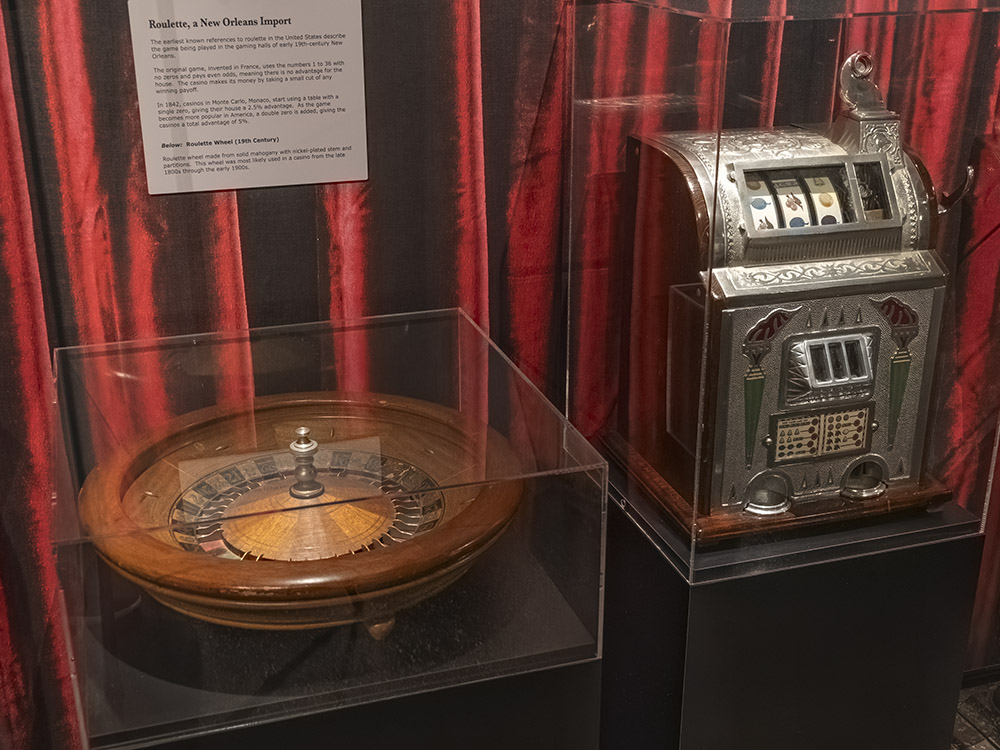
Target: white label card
249, 93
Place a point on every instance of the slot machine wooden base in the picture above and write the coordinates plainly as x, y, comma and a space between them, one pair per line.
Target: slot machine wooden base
857, 642
722, 527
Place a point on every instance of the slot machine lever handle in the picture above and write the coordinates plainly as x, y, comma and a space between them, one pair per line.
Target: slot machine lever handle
947, 201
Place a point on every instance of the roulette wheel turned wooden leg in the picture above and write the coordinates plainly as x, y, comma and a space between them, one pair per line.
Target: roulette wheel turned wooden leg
379, 630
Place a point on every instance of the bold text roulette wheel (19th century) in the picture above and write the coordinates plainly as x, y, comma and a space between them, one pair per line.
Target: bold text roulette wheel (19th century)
309, 510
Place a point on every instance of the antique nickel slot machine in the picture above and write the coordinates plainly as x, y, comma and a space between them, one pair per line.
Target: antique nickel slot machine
796, 269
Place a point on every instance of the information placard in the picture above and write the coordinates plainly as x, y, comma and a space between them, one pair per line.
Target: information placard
249, 93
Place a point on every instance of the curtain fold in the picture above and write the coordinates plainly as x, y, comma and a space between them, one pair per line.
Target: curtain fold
533, 256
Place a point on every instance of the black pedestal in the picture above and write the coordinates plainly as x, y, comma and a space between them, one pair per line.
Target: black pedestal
554, 709
154, 671
856, 645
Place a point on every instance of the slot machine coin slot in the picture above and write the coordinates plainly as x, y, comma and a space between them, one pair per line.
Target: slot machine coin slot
768, 494
864, 481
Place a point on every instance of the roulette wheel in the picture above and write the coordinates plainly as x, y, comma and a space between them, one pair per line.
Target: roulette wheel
309, 510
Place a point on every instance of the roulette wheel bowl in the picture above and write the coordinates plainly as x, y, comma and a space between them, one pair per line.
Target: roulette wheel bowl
411, 495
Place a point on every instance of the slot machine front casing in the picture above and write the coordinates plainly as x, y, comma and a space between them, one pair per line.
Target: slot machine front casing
797, 266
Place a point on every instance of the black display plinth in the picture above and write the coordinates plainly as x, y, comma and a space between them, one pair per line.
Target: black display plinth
152, 657
554, 709
859, 645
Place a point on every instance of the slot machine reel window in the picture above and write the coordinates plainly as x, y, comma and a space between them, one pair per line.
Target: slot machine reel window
814, 198
796, 198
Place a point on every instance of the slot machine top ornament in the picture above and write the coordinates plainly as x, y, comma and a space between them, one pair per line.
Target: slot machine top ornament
816, 296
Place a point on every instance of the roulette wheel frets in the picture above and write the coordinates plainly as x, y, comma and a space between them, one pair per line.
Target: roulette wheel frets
309, 510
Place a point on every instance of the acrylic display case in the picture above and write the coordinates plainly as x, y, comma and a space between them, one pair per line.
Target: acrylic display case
259, 525
772, 319
778, 336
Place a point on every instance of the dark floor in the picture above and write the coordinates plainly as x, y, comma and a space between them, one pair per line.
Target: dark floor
977, 726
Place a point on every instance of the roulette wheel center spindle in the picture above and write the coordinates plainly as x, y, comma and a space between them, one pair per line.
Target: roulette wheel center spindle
304, 449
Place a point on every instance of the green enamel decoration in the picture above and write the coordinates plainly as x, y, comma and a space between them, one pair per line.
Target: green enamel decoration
899, 372
753, 396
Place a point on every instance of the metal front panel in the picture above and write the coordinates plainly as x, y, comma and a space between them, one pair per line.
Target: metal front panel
758, 344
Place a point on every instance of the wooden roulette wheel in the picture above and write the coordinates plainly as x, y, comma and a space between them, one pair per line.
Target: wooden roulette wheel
310, 510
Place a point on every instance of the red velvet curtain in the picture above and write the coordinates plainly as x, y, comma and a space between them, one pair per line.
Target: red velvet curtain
36, 702
467, 116
975, 395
